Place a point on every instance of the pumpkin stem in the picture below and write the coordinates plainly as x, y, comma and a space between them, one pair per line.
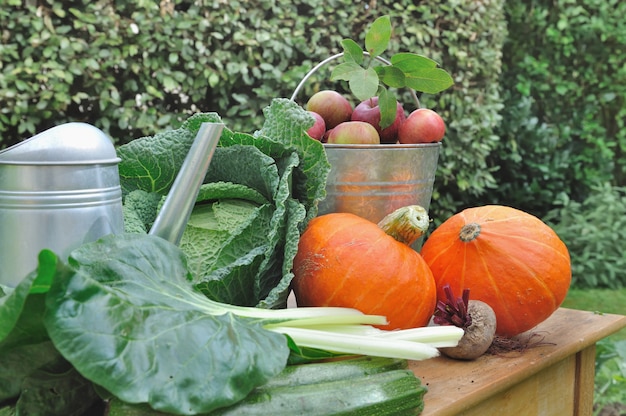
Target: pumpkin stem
469, 232
406, 224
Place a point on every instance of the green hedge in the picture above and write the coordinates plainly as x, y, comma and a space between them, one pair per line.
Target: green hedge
135, 67
564, 84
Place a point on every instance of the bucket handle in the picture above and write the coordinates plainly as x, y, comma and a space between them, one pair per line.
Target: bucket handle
333, 57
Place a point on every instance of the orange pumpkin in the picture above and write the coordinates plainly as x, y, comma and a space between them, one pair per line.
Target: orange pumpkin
345, 260
508, 258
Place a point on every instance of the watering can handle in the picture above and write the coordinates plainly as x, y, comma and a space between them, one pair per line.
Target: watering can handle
173, 216
331, 58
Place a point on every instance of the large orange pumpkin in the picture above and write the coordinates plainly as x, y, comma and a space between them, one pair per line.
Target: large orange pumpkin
508, 258
345, 260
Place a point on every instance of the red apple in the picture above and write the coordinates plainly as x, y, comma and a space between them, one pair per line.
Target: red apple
369, 111
332, 106
354, 132
318, 129
422, 126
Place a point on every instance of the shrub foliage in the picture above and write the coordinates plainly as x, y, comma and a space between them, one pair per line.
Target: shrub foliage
564, 89
594, 231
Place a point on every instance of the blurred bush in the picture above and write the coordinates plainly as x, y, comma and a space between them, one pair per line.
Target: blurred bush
594, 231
564, 90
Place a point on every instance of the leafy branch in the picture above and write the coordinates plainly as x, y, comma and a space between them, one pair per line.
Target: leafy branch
405, 70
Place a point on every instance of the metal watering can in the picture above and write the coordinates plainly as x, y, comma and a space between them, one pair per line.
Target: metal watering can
61, 189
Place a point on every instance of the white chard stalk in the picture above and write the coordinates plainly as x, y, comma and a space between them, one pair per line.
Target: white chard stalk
410, 344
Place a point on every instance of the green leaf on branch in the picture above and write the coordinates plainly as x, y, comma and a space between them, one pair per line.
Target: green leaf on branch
364, 83
352, 52
378, 36
421, 73
404, 70
345, 71
429, 80
388, 105
391, 76
410, 62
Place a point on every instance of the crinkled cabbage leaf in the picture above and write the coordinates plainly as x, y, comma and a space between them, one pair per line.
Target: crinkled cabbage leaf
259, 193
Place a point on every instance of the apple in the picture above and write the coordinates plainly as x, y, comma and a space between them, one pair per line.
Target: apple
354, 132
422, 126
369, 111
325, 136
318, 129
332, 106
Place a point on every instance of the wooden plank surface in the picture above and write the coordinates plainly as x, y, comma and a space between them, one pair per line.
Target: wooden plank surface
456, 386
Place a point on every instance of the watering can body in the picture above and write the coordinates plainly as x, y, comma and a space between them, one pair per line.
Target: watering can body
58, 190
61, 189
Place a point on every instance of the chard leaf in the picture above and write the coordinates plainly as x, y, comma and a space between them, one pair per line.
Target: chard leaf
126, 317
56, 390
29, 363
21, 308
17, 362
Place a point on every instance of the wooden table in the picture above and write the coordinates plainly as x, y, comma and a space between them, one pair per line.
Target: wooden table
555, 378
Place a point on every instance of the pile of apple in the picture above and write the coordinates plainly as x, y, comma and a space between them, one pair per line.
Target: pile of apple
336, 121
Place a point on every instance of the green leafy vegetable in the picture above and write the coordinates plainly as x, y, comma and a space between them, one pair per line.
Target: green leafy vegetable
151, 163
260, 191
126, 316
138, 318
30, 364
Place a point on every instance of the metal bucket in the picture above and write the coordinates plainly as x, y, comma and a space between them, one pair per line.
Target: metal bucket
374, 180
58, 190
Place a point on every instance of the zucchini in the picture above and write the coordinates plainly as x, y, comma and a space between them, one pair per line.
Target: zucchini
395, 392
320, 372
363, 386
